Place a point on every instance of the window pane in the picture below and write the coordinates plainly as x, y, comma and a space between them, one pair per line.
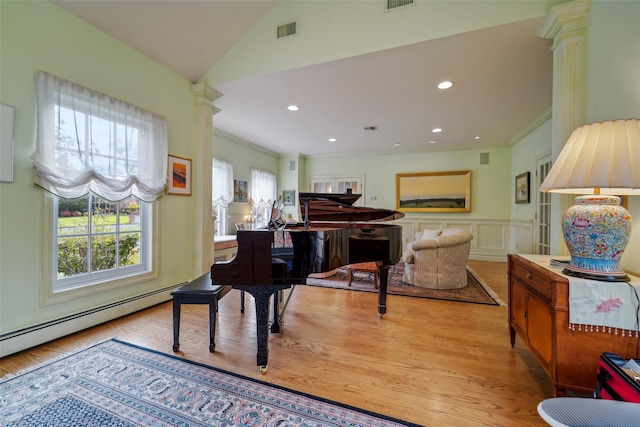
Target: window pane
72, 216
103, 252
103, 215
129, 249
129, 215
72, 256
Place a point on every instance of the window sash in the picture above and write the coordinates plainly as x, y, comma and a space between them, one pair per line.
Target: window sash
60, 284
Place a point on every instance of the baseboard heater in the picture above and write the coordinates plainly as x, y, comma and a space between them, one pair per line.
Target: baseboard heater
15, 341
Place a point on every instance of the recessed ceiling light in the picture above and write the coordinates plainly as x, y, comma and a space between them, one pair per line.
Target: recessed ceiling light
332, 139
397, 144
436, 130
433, 141
293, 108
477, 137
445, 85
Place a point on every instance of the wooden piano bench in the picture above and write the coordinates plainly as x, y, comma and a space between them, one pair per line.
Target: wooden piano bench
366, 267
198, 291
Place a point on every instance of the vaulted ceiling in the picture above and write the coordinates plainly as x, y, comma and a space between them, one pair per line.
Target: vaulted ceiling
502, 79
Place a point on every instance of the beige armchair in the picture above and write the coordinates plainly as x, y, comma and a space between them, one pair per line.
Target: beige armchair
437, 259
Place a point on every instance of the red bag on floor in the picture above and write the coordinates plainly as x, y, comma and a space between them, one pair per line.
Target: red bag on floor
614, 382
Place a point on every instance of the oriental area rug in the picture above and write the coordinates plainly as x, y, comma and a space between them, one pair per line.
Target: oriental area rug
114, 383
476, 291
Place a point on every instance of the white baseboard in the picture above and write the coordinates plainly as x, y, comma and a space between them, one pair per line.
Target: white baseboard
15, 341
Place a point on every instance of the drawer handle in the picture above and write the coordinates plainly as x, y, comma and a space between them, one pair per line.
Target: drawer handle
529, 275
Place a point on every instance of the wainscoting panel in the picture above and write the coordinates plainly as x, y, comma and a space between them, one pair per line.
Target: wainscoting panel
522, 237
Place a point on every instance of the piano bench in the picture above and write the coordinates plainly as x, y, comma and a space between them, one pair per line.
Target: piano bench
198, 291
366, 267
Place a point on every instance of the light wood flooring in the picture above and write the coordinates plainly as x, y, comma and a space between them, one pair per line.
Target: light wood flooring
434, 363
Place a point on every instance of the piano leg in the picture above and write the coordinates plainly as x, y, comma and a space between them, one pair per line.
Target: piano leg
275, 324
262, 295
383, 277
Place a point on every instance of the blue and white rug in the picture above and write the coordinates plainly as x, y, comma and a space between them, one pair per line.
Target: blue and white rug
114, 383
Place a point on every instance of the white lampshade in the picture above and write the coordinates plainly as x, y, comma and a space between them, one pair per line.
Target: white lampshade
601, 161
598, 155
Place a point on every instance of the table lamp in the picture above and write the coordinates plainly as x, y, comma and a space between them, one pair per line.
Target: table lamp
600, 161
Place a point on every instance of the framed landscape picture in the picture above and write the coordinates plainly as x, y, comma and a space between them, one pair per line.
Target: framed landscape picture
434, 192
179, 176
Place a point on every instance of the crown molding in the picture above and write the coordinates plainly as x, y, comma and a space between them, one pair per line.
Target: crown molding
533, 125
243, 142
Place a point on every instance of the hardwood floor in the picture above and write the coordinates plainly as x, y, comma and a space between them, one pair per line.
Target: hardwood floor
434, 363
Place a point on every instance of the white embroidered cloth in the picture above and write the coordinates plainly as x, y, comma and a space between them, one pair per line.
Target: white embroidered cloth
599, 306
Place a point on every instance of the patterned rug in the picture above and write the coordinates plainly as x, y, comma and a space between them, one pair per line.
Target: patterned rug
476, 291
114, 383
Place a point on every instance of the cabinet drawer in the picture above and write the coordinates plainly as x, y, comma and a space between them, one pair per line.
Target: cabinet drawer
533, 278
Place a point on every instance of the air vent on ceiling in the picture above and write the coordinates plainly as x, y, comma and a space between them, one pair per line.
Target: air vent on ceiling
286, 30
394, 4
371, 128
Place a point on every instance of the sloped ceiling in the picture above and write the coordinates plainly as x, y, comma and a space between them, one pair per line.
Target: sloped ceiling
502, 81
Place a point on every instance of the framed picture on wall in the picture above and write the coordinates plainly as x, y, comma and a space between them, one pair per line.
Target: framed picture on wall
179, 176
522, 188
289, 197
448, 191
240, 191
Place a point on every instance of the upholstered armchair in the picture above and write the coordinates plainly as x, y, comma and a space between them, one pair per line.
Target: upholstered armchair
437, 259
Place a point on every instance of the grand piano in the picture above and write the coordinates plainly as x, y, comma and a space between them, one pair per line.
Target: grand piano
333, 233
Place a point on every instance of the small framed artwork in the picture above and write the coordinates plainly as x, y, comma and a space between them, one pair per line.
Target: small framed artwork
240, 191
179, 176
522, 188
289, 197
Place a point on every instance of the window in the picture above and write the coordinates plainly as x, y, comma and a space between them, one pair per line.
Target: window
104, 162
222, 194
97, 239
263, 191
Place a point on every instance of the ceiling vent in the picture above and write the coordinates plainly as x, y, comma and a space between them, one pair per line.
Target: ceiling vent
394, 4
286, 30
371, 128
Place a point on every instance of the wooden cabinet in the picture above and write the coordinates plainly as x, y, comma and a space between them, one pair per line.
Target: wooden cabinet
539, 315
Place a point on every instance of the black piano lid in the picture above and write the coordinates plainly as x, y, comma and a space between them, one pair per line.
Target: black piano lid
339, 207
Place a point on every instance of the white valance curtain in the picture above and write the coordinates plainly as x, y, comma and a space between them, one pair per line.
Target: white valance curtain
222, 183
90, 142
263, 188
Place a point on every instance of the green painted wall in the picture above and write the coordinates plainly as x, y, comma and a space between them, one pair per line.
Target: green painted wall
524, 156
244, 157
37, 35
490, 184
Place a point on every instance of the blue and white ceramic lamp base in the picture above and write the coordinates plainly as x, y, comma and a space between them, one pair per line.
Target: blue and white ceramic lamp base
596, 230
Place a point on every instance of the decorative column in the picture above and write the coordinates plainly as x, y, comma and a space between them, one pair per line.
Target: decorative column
205, 95
566, 25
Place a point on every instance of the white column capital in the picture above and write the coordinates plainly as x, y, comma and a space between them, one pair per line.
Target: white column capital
564, 20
